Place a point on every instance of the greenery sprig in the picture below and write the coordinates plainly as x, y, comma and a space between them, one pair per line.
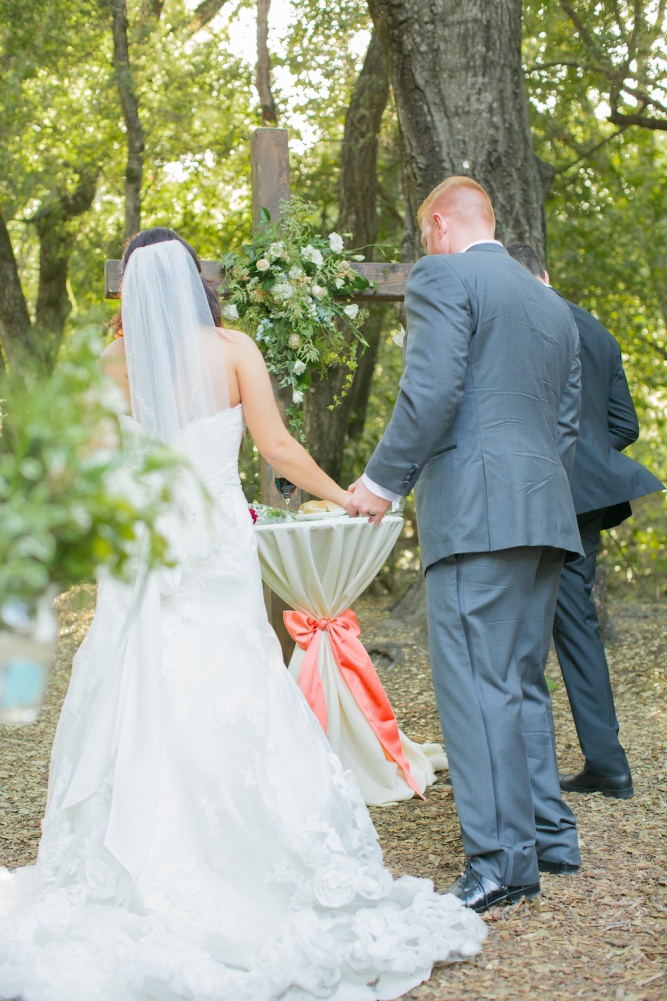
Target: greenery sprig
71, 501
288, 289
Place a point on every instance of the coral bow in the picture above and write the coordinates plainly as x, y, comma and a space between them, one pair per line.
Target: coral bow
358, 672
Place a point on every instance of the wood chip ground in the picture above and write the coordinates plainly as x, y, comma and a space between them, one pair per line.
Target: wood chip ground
601, 934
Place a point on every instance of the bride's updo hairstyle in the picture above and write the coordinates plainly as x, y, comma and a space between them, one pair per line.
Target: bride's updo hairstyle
161, 234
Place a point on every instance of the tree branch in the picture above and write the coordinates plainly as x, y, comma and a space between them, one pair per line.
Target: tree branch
16, 335
621, 118
204, 13
263, 71
151, 10
585, 35
56, 239
589, 152
130, 106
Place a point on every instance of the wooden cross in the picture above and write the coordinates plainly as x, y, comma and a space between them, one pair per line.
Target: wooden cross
269, 171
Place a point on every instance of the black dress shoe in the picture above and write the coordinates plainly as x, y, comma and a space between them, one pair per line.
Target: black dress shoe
478, 892
618, 786
557, 868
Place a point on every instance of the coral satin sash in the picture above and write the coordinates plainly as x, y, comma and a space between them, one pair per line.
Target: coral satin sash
359, 675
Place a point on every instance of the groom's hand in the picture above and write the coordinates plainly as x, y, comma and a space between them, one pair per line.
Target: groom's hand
365, 502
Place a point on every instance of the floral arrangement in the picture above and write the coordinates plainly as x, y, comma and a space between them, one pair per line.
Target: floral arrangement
288, 289
71, 501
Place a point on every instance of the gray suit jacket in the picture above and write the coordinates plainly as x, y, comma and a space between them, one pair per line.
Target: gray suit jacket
603, 478
486, 418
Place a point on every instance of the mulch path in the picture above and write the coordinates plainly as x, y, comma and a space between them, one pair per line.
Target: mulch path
601, 934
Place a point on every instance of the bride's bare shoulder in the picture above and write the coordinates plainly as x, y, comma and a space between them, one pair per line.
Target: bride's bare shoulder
232, 336
113, 355
239, 344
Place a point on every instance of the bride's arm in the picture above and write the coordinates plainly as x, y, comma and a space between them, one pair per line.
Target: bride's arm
272, 438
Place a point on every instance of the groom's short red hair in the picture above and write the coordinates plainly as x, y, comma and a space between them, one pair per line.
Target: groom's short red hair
459, 196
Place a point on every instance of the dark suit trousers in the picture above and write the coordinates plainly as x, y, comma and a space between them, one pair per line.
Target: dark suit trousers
582, 658
490, 618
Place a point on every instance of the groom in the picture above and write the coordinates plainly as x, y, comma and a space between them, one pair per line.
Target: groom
484, 428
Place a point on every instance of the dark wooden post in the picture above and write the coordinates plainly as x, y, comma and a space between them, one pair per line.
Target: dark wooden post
269, 166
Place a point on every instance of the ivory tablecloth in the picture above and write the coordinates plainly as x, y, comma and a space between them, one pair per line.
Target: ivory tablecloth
319, 567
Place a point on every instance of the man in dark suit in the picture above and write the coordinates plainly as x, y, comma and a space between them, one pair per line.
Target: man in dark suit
603, 482
484, 428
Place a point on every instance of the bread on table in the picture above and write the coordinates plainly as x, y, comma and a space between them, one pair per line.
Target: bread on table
320, 507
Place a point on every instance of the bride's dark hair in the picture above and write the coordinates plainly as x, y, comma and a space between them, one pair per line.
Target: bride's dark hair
161, 234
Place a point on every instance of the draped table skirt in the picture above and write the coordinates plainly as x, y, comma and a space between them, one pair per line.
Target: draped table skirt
320, 567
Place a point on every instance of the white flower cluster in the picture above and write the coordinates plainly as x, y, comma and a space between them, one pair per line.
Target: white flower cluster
338, 881
312, 255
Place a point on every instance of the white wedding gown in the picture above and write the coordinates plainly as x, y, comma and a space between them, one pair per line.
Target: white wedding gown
201, 840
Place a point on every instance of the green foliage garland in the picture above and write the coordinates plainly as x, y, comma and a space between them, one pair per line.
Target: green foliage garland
286, 290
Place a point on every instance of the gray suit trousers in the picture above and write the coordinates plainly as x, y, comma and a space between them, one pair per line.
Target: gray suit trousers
490, 617
582, 658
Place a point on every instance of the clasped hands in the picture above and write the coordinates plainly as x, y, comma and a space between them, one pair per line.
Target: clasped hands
365, 502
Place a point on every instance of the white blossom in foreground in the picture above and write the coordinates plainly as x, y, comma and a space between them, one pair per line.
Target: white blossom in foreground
352, 311
336, 242
299, 367
263, 264
275, 250
297, 396
318, 291
229, 311
399, 338
312, 254
294, 341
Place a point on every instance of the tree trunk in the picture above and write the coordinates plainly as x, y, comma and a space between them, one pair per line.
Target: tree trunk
130, 106
263, 71
325, 429
55, 247
455, 69
16, 334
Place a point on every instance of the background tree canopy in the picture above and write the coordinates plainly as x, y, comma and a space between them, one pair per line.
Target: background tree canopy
115, 115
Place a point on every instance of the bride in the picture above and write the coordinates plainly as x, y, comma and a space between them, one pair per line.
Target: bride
201, 841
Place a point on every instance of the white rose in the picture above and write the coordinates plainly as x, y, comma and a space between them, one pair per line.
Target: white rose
335, 882
263, 264
299, 367
295, 272
312, 254
318, 291
352, 310
339, 282
229, 311
375, 882
297, 396
282, 290
294, 341
336, 242
275, 250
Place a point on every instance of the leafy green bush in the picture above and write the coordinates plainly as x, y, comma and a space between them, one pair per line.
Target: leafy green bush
71, 501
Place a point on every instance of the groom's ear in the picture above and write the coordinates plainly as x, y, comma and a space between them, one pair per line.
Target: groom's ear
440, 223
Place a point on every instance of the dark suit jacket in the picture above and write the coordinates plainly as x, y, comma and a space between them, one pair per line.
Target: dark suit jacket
604, 478
486, 418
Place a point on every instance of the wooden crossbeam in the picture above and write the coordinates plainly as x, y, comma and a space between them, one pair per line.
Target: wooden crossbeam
389, 279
